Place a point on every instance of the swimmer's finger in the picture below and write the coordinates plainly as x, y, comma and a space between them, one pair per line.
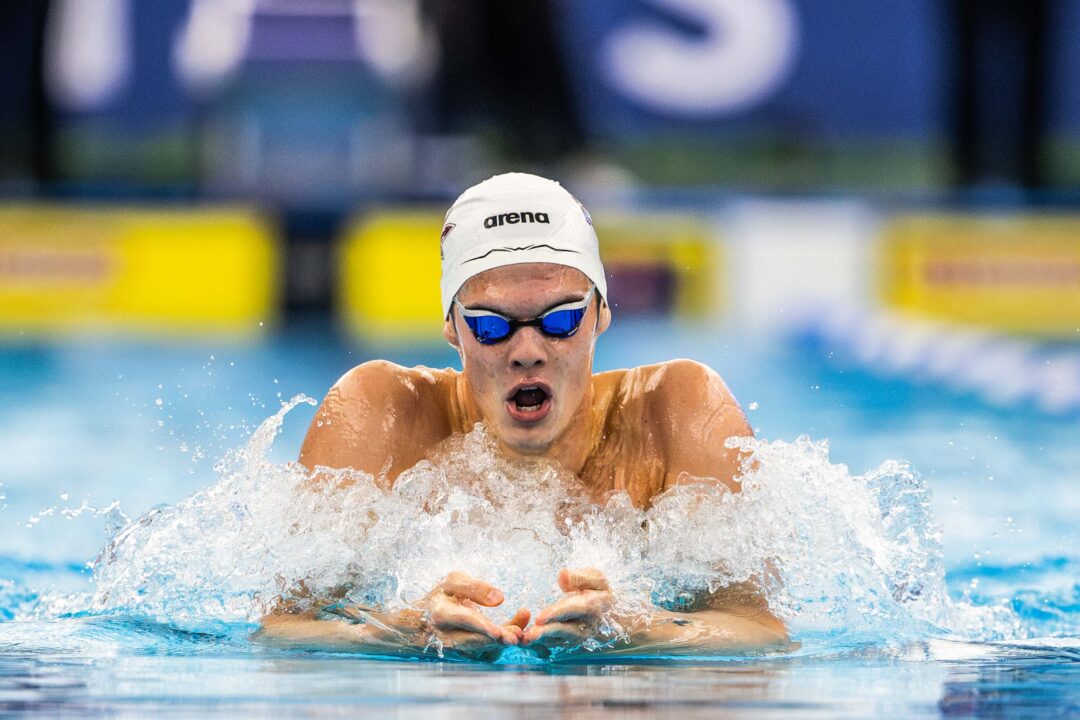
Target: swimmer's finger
553, 634
512, 634
461, 585
585, 605
475, 646
449, 615
514, 630
521, 618
590, 578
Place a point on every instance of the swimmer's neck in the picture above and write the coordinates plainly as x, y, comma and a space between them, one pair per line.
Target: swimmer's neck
572, 449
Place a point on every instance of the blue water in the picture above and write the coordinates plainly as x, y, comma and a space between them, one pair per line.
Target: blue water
92, 429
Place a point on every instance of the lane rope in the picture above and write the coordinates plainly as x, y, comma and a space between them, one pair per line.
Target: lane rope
1002, 370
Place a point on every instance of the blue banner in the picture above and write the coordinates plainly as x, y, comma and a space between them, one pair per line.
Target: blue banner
837, 70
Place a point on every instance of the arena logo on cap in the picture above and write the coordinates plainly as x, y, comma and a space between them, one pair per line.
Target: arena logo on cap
514, 218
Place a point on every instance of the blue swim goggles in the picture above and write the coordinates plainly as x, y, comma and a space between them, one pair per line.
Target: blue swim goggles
561, 321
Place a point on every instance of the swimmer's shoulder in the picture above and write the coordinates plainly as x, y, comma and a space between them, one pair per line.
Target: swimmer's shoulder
685, 391
421, 394
685, 403
379, 410
681, 382
396, 380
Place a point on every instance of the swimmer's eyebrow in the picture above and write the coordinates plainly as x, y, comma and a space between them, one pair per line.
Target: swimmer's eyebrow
497, 311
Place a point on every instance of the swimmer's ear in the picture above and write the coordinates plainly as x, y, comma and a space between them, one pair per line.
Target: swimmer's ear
603, 322
450, 332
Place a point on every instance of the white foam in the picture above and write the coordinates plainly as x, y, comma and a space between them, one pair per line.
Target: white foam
835, 553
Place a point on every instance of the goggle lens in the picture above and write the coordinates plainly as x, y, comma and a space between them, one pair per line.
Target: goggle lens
489, 329
561, 323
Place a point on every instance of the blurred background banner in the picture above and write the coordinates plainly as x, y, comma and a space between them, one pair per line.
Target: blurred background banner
1016, 273
76, 269
763, 163
770, 93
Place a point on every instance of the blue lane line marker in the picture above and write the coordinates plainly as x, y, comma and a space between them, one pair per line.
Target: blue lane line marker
1002, 370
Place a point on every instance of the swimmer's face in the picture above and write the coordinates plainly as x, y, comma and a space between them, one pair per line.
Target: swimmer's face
528, 387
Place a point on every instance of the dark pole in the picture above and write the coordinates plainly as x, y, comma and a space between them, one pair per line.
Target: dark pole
1001, 60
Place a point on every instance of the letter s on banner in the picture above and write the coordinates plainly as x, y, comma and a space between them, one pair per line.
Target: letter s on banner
747, 50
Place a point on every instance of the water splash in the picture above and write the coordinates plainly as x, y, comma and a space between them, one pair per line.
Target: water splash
835, 553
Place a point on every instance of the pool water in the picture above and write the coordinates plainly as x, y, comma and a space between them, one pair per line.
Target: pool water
94, 433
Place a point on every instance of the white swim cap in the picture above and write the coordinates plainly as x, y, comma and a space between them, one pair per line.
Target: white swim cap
513, 219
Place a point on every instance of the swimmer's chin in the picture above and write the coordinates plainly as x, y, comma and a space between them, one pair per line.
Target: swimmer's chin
526, 441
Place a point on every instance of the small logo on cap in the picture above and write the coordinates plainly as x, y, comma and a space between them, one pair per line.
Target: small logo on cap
588, 217
514, 218
442, 238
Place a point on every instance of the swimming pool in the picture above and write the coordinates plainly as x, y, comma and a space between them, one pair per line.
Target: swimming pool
94, 432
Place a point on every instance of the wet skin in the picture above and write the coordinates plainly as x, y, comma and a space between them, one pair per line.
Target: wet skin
633, 430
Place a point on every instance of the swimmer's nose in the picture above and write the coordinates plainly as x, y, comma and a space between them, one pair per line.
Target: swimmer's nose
527, 348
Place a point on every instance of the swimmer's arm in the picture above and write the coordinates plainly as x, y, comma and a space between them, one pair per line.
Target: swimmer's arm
734, 620
696, 413
705, 632
307, 631
666, 633
731, 631
447, 623
289, 627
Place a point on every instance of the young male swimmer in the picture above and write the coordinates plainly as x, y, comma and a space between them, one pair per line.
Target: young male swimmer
524, 301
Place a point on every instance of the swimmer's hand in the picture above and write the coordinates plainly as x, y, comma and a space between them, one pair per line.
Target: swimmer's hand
453, 623
446, 621
585, 614
570, 621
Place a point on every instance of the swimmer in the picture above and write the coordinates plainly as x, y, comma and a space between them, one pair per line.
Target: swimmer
524, 299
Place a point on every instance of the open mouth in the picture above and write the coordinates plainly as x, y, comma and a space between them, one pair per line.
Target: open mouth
529, 402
